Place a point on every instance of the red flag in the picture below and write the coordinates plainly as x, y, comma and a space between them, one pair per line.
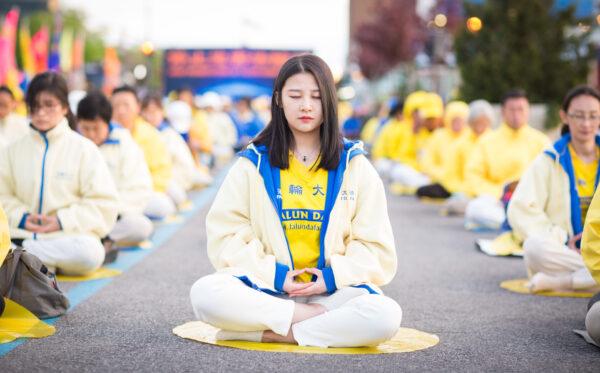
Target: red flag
112, 70
4, 57
9, 33
39, 46
78, 52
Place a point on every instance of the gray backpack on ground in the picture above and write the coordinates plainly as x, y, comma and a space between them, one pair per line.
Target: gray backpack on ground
27, 281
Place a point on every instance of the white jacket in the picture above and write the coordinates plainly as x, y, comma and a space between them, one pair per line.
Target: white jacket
129, 170
12, 128
246, 238
57, 173
545, 201
184, 167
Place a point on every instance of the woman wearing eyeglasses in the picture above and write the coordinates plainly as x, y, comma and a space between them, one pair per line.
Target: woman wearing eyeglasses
549, 206
57, 191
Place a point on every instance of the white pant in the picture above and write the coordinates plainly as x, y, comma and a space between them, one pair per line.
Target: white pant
131, 228
353, 318
408, 176
383, 167
222, 154
176, 193
160, 206
486, 212
201, 179
543, 254
71, 255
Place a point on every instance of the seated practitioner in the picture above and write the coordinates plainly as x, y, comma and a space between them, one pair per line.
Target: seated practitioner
55, 187
199, 136
186, 175
126, 109
499, 159
480, 120
12, 125
221, 128
291, 268
374, 125
394, 142
126, 163
441, 149
548, 208
247, 122
408, 173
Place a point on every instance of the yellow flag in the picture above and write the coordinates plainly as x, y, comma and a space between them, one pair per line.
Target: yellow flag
65, 48
26, 52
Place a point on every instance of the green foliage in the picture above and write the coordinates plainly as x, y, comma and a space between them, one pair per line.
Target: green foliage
525, 44
94, 47
552, 119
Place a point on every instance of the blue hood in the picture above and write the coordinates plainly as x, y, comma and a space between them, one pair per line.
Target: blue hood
560, 152
272, 180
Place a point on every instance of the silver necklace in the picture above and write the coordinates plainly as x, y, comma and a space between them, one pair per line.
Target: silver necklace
305, 157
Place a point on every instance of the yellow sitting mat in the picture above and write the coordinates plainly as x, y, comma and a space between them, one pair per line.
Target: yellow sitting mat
186, 205
520, 286
172, 219
101, 272
402, 190
432, 201
406, 340
146, 244
16, 322
505, 244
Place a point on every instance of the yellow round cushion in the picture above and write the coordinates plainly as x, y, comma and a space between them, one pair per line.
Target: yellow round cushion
101, 272
520, 286
406, 340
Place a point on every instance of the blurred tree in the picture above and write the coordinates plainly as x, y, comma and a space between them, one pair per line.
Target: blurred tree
527, 44
394, 36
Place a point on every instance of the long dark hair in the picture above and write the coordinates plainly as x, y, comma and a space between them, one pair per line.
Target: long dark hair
54, 84
581, 90
278, 137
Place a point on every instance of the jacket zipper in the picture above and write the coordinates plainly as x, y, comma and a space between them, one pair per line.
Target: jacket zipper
41, 199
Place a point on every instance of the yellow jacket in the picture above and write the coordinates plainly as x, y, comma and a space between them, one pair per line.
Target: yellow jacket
12, 128
200, 136
441, 146
57, 173
245, 235
390, 139
370, 129
590, 244
156, 154
438, 153
128, 167
454, 175
397, 140
500, 157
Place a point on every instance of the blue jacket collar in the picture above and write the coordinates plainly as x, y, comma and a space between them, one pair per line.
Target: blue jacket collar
259, 156
111, 139
163, 126
560, 153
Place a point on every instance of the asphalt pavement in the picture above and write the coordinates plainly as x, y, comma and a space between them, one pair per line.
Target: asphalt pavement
443, 285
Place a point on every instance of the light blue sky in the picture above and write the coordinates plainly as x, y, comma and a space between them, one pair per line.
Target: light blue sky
320, 25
